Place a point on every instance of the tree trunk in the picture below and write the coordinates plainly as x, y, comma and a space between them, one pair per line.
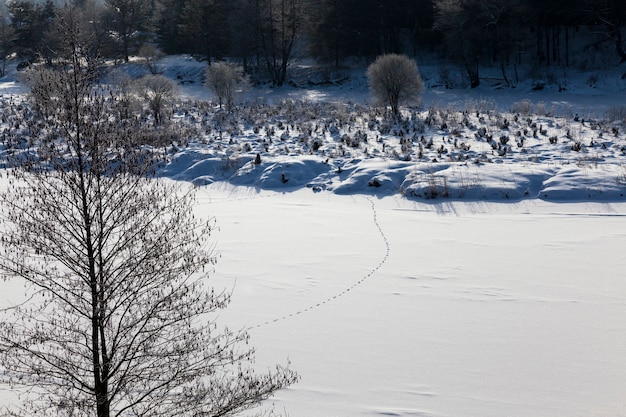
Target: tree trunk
471, 66
566, 46
126, 48
539, 45
619, 47
556, 44
103, 406
546, 29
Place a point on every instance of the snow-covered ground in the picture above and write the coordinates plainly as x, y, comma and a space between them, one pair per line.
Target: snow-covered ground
397, 308
471, 282
393, 307
564, 142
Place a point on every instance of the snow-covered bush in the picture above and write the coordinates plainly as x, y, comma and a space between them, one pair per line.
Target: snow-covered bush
523, 107
123, 89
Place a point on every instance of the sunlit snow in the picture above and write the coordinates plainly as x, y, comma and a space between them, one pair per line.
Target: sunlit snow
504, 297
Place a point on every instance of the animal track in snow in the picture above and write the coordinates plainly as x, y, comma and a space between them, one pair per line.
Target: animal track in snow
345, 290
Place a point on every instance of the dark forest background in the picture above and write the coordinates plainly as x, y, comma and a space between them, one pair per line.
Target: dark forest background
265, 36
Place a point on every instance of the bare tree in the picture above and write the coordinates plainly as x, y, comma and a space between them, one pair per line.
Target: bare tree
225, 79
498, 21
120, 321
279, 23
610, 15
89, 15
6, 40
151, 55
204, 25
244, 45
463, 34
158, 91
394, 79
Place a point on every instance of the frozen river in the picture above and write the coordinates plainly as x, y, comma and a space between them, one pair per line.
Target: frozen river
395, 308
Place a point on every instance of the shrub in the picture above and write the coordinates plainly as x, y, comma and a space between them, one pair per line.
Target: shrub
44, 92
394, 79
523, 107
616, 113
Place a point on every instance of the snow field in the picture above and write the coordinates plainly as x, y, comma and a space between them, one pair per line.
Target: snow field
392, 307
480, 309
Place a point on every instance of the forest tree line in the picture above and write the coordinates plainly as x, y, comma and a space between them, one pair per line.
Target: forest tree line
266, 35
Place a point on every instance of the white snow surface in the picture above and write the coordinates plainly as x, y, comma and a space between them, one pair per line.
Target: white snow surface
505, 297
398, 308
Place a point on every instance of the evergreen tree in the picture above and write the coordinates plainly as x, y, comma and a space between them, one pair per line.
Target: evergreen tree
6, 40
130, 22
168, 26
23, 19
204, 25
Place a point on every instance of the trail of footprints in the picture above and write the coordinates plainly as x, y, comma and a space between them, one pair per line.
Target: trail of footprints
346, 290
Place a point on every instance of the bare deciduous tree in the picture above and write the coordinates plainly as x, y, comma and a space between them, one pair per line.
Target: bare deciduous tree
464, 37
204, 26
611, 15
279, 24
6, 40
478, 30
158, 91
394, 79
225, 79
120, 321
151, 55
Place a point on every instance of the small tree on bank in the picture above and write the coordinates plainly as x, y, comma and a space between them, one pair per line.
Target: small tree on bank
225, 80
121, 318
158, 91
394, 79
